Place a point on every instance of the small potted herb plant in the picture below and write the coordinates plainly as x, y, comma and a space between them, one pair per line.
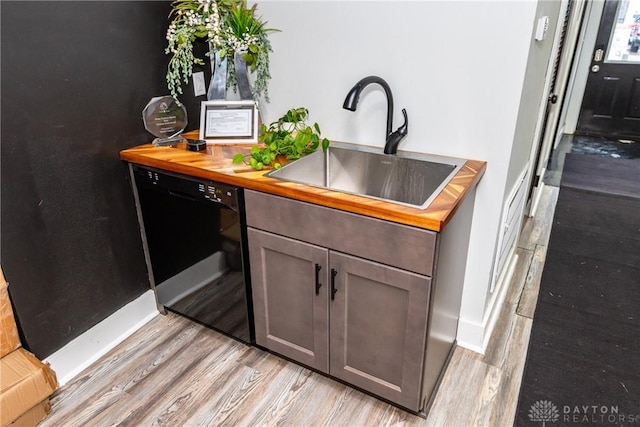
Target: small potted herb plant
290, 137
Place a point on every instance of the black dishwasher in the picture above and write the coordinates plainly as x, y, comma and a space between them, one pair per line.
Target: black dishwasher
194, 239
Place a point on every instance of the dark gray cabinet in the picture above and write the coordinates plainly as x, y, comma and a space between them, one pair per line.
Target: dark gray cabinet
378, 318
360, 321
291, 319
353, 296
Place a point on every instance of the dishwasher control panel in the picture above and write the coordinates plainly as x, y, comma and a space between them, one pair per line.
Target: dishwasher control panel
217, 192
187, 186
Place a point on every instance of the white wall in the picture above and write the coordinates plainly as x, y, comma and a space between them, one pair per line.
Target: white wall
532, 92
458, 68
529, 124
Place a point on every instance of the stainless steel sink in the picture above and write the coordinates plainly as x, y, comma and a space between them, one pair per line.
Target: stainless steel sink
411, 179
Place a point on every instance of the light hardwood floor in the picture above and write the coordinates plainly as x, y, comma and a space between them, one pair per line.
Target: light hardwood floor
173, 372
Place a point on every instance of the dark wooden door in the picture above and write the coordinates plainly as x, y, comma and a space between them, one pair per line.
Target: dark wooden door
379, 328
291, 313
611, 103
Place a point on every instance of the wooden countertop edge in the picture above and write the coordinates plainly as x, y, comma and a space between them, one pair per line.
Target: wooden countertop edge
434, 218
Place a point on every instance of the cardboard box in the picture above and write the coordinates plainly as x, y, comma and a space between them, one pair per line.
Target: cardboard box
9, 339
24, 383
34, 415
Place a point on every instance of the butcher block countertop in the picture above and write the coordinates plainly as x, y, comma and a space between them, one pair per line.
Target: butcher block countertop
216, 164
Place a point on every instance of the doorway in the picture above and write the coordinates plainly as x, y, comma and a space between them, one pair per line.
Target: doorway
611, 102
558, 72
591, 26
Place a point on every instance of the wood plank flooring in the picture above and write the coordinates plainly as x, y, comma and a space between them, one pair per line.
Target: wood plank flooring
173, 372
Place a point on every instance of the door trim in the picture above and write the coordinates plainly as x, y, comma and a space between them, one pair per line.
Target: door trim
548, 114
581, 68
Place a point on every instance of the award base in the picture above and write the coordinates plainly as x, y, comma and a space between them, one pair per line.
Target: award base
161, 142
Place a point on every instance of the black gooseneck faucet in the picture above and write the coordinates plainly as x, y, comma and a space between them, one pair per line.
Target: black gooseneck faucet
392, 139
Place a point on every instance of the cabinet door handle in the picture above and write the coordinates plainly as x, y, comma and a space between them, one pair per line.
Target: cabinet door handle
318, 284
333, 283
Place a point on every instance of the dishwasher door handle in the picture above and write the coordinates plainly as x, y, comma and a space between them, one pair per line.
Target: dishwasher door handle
181, 195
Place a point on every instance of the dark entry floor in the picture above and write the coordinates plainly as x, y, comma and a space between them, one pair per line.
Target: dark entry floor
584, 349
594, 145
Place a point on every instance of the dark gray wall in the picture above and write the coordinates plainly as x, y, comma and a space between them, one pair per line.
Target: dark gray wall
75, 79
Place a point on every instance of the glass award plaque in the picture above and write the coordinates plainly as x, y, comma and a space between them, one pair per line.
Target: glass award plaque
166, 119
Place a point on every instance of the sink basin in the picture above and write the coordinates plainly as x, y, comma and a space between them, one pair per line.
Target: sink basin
410, 179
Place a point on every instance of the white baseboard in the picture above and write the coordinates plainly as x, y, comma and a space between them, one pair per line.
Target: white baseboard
475, 336
470, 335
78, 354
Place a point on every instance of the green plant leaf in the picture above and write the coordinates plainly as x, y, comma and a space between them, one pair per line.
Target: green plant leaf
314, 145
238, 158
249, 58
300, 142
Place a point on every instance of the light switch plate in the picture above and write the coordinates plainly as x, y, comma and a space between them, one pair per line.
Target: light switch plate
199, 87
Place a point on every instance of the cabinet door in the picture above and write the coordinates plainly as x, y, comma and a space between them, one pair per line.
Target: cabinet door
379, 328
291, 318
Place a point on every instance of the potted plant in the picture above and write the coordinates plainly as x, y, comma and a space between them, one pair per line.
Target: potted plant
290, 137
229, 26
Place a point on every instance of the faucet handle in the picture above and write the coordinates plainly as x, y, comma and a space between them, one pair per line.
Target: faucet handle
393, 139
402, 130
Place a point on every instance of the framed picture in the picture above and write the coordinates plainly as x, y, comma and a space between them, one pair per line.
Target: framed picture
233, 122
